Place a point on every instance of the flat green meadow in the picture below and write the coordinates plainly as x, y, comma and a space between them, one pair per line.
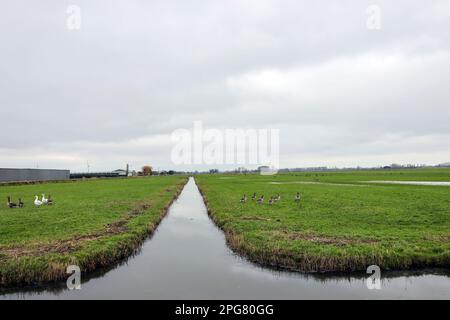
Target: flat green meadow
343, 223
91, 224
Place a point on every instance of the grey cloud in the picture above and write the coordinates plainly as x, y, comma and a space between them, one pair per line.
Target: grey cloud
140, 69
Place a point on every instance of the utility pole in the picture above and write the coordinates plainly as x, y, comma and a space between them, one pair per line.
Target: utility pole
88, 167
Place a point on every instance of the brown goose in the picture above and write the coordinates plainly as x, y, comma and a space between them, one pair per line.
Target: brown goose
260, 200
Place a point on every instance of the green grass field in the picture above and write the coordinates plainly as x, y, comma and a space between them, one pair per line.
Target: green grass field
341, 224
91, 224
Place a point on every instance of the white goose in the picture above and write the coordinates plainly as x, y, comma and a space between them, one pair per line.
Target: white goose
44, 200
37, 202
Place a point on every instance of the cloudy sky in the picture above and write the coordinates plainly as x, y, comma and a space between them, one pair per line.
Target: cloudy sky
112, 92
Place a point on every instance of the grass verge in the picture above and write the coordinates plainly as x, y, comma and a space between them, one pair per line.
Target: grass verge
92, 224
341, 224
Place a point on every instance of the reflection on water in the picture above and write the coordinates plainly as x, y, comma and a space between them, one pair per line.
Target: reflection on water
187, 258
414, 183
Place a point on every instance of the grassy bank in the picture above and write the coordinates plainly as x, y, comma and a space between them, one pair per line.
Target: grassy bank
342, 222
92, 224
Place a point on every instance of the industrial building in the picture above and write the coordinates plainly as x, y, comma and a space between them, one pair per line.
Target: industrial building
22, 175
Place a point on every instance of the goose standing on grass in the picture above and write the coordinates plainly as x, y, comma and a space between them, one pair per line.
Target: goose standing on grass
49, 200
297, 197
21, 204
260, 200
243, 199
277, 198
10, 204
254, 196
37, 202
271, 201
44, 200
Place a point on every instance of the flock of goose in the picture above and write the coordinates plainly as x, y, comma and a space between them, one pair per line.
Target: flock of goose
272, 199
37, 203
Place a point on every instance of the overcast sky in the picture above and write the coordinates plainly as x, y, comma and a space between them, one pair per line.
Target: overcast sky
113, 92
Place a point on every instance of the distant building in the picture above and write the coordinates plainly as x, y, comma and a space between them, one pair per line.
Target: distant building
23, 175
121, 172
89, 175
263, 168
444, 165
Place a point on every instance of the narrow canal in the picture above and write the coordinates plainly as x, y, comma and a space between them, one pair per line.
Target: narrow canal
187, 258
